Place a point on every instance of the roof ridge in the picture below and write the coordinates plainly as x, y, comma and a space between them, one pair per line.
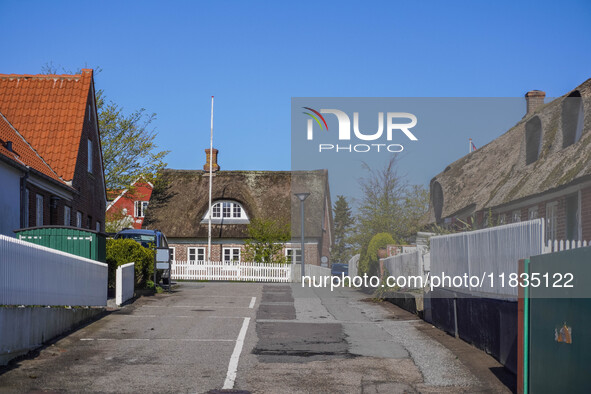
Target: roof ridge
31, 147
47, 76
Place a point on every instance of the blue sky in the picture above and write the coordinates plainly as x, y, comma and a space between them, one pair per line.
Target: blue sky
170, 57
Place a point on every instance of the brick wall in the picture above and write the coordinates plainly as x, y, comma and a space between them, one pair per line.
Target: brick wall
91, 201
181, 250
561, 214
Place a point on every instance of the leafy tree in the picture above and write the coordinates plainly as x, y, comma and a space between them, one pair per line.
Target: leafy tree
127, 140
266, 239
343, 222
415, 206
389, 205
129, 150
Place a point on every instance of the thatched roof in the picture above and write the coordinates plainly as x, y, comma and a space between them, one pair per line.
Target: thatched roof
503, 172
180, 201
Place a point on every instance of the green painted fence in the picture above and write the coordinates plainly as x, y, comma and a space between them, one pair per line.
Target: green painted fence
557, 329
77, 241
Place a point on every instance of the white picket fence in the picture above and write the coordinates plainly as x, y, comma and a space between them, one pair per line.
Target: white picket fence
35, 275
234, 271
559, 246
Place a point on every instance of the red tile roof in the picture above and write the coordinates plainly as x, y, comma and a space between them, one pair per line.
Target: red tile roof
22, 152
48, 110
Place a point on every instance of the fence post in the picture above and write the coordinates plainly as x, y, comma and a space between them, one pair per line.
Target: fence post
119, 285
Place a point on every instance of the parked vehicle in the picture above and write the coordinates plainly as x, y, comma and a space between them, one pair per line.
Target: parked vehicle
147, 238
338, 269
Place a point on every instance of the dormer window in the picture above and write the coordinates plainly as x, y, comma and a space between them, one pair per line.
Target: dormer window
533, 139
572, 119
227, 212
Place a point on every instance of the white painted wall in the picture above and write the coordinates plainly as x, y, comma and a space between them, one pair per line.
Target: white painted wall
9, 199
24, 329
125, 283
35, 275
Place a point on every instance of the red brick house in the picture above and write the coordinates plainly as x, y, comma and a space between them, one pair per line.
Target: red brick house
540, 168
127, 208
180, 210
51, 144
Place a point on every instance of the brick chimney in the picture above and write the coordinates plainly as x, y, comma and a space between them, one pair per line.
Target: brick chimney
534, 100
214, 158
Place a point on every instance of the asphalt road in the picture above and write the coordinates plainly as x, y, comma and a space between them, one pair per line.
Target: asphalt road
260, 338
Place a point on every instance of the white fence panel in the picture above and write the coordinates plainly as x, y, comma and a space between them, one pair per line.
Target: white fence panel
237, 271
316, 271
35, 275
486, 254
407, 265
125, 283
354, 265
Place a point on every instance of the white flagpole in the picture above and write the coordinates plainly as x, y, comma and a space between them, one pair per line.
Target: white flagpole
210, 180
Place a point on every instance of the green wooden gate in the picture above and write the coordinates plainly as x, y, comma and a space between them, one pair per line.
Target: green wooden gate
77, 241
557, 323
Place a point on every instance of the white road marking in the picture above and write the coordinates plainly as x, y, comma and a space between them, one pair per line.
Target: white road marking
158, 339
233, 366
194, 306
252, 301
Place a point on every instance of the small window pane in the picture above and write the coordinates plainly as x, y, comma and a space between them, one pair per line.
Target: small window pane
216, 210
67, 214
90, 156
39, 217
231, 254
294, 256
237, 210
226, 212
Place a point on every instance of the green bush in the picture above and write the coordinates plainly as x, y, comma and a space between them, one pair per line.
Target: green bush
123, 251
368, 263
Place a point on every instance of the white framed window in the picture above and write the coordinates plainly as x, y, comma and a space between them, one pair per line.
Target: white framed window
532, 213
98, 227
78, 219
140, 208
231, 254
67, 215
231, 210
294, 255
90, 156
226, 207
39, 211
551, 219
516, 216
172, 253
195, 254
503, 219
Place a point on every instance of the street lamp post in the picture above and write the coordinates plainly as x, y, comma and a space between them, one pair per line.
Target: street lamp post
302, 197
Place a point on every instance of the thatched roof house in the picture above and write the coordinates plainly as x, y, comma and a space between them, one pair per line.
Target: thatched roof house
539, 168
179, 208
